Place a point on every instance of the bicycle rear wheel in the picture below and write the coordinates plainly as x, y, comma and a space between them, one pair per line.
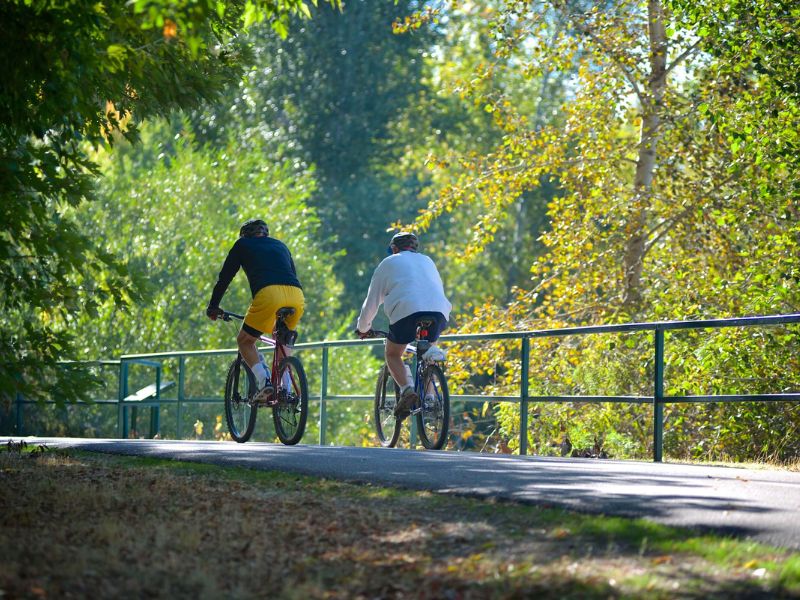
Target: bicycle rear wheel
386, 396
433, 421
291, 412
240, 415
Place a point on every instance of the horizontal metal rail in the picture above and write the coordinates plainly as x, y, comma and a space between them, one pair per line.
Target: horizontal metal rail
658, 399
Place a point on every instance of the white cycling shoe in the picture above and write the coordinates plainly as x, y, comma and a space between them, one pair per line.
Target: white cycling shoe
434, 353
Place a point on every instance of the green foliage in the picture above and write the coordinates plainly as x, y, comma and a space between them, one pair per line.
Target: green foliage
175, 216
673, 152
581, 163
78, 74
333, 90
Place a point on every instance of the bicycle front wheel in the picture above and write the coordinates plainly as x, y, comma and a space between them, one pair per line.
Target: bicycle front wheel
386, 396
240, 415
291, 412
433, 421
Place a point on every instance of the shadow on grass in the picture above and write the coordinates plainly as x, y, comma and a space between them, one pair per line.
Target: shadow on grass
79, 523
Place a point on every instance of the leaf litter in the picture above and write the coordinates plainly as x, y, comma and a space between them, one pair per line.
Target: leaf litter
77, 525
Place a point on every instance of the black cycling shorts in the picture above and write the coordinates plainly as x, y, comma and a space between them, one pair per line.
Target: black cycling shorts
405, 330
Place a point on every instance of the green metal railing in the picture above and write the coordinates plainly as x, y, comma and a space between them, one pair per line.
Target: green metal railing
658, 399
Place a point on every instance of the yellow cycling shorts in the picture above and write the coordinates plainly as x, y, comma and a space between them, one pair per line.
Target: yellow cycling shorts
261, 314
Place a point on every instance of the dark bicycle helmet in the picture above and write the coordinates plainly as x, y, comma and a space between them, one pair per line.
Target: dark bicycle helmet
253, 227
404, 240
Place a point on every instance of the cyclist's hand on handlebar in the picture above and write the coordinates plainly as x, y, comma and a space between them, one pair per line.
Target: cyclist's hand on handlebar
214, 312
363, 335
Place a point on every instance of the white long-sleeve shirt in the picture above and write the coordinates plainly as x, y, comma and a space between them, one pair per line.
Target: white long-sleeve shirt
405, 283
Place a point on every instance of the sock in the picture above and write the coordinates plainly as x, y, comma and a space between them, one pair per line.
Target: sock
261, 374
406, 387
287, 380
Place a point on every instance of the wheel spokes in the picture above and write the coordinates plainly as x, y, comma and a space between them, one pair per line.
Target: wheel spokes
289, 401
432, 409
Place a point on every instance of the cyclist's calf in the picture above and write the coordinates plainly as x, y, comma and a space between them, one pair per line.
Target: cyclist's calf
394, 360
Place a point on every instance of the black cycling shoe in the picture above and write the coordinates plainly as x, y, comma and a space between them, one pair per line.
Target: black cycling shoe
407, 399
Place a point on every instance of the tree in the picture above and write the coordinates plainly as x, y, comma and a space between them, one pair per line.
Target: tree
76, 72
670, 198
334, 90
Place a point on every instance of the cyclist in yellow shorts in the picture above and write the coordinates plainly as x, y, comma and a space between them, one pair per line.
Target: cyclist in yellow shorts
273, 281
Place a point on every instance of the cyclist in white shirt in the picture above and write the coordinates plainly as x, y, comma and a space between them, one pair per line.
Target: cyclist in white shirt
408, 285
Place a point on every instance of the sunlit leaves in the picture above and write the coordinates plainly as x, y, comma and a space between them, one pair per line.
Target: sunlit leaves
694, 213
77, 75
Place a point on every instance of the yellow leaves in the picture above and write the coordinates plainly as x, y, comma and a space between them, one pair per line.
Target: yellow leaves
221, 433
415, 21
561, 532
170, 30
751, 564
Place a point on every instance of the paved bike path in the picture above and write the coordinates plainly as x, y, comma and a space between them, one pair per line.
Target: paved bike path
763, 505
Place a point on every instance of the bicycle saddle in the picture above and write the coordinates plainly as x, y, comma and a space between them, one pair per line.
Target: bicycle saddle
286, 311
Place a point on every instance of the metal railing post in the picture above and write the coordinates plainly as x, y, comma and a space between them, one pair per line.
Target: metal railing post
122, 422
323, 393
523, 392
658, 399
155, 411
20, 419
181, 384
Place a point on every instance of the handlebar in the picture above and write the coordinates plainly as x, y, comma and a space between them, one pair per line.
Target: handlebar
226, 316
373, 333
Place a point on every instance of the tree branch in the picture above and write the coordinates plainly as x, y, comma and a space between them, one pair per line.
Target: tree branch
682, 56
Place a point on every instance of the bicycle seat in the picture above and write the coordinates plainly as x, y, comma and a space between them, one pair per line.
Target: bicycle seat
423, 327
282, 313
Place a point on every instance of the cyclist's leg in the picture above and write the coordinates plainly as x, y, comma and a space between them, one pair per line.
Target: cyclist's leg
434, 331
247, 346
438, 324
259, 319
260, 316
400, 334
394, 360
246, 340
288, 295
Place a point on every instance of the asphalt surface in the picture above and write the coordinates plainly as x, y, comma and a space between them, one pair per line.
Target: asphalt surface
762, 505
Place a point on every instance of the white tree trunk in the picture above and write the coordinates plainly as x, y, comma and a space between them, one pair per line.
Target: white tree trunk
646, 162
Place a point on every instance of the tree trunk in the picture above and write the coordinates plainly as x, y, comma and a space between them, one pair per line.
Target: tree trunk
646, 162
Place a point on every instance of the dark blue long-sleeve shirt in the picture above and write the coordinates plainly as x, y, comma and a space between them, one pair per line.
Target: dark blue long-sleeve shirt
265, 260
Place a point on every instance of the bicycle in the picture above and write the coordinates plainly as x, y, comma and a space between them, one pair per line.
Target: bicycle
289, 403
433, 409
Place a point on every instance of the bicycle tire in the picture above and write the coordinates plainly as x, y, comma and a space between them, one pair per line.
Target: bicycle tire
291, 413
239, 414
386, 425
433, 422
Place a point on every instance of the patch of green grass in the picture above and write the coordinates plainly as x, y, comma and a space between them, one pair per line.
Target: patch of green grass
789, 574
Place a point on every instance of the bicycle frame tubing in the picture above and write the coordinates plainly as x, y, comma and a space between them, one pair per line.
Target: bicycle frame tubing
410, 349
279, 349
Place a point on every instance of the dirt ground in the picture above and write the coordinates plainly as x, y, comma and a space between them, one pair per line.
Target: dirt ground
80, 525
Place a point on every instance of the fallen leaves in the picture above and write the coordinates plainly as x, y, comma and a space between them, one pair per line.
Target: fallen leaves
182, 531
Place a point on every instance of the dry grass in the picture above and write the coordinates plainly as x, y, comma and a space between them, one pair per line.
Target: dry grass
97, 526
